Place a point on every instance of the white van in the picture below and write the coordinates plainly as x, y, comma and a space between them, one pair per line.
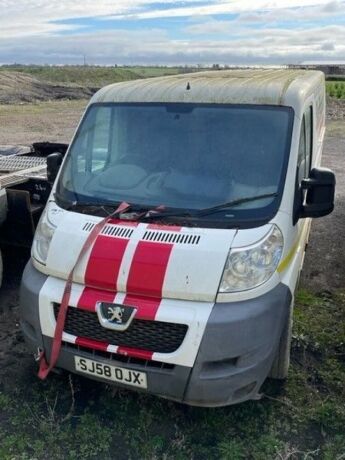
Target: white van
187, 290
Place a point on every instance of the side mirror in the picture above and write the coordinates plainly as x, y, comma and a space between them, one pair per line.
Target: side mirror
320, 187
54, 161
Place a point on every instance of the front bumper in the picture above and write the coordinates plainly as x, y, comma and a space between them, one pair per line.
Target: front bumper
234, 358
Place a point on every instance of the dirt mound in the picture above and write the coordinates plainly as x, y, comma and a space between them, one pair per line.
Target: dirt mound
16, 87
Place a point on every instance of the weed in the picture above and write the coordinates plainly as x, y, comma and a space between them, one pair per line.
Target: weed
5, 401
336, 89
319, 320
232, 450
335, 448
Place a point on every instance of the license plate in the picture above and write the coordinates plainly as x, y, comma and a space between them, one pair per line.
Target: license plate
113, 373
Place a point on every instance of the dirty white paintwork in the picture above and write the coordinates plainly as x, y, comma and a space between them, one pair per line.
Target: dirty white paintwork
297, 89
191, 303
193, 271
268, 87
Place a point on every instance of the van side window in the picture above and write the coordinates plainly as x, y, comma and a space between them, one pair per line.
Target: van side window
309, 136
94, 142
101, 139
305, 145
302, 151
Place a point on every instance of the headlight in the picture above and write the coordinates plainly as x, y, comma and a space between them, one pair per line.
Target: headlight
43, 236
247, 268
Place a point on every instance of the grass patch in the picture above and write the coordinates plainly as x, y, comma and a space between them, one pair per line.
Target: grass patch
336, 89
92, 76
98, 76
301, 419
335, 77
319, 321
42, 107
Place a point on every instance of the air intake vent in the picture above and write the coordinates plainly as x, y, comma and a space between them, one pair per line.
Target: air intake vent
110, 230
168, 237
88, 226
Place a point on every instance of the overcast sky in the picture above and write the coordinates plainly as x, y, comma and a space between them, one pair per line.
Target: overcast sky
171, 32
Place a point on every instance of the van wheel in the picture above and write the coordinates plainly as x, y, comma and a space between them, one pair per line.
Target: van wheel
280, 366
1, 268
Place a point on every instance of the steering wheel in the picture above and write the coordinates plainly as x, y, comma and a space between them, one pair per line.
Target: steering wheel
156, 180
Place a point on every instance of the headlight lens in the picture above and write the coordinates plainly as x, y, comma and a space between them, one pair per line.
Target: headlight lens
43, 236
247, 268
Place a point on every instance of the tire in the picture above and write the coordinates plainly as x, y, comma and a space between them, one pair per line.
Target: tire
281, 363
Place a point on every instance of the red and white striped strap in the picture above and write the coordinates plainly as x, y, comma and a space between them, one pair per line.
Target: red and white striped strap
44, 367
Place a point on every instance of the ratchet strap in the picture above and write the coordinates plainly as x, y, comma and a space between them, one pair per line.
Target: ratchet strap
44, 367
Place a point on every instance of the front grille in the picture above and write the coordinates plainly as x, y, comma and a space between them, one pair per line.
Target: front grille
144, 363
156, 336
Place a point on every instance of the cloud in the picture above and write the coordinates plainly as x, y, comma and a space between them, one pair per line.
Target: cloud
20, 18
335, 6
305, 14
264, 31
221, 7
155, 47
328, 46
297, 14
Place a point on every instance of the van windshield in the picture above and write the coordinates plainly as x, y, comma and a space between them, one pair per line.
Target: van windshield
181, 156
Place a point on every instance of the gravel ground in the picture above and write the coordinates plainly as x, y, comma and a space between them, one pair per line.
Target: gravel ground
324, 266
53, 121
336, 109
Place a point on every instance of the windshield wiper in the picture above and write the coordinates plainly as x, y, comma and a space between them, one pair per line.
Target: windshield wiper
234, 203
149, 214
70, 205
132, 212
213, 209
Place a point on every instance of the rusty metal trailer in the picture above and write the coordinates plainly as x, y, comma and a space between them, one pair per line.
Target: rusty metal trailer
24, 190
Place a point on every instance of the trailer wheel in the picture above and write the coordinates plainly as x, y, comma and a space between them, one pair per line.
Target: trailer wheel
1, 268
280, 366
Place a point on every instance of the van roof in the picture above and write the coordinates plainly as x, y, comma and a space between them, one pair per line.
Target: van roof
264, 86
